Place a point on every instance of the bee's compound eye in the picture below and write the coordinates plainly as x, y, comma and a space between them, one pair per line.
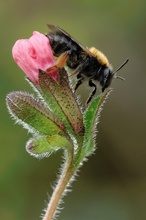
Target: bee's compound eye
106, 79
106, 74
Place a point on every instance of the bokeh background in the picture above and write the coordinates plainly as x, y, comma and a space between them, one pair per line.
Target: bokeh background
112, 184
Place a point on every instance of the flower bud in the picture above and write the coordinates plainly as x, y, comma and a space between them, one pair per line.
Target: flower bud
33, 54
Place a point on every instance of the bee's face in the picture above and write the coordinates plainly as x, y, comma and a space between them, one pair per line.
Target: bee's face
106, 78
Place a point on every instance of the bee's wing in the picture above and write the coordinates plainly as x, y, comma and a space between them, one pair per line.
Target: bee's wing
59, 30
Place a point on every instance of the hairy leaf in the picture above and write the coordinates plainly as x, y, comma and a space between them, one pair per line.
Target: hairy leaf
91, 118
33, 114
60, 98
45, 145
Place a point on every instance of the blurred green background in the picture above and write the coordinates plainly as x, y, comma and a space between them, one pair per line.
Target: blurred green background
112, 184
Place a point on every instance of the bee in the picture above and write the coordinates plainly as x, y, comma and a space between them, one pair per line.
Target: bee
88, 64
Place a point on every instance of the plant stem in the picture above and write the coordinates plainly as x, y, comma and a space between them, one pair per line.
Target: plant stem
59, 190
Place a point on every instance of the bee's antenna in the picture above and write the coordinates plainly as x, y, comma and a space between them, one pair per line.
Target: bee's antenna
119, 77
120, 67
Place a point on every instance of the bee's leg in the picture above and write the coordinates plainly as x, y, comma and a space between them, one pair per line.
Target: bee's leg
79, 81
91, 84
62, 59
60, 63
77, 70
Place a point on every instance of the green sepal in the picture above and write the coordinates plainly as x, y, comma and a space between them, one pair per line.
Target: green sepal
45, 145
91, 118
33, 114
61, 100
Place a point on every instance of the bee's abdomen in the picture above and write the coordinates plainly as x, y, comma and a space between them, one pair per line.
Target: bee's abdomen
61, 44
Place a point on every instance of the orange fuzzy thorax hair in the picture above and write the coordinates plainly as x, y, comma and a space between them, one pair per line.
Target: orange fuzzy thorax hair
100, 56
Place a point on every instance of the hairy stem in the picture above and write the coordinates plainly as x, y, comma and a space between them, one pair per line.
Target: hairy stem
59, 190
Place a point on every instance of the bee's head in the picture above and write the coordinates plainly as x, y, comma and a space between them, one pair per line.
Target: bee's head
108, 75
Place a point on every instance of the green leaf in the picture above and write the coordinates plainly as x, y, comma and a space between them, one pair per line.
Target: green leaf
60, 98
43, 146
33, 114
91, 118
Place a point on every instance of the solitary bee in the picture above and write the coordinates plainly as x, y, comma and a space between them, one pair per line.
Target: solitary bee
90, 64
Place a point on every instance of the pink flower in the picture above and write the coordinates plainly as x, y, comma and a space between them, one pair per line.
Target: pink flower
33, 54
